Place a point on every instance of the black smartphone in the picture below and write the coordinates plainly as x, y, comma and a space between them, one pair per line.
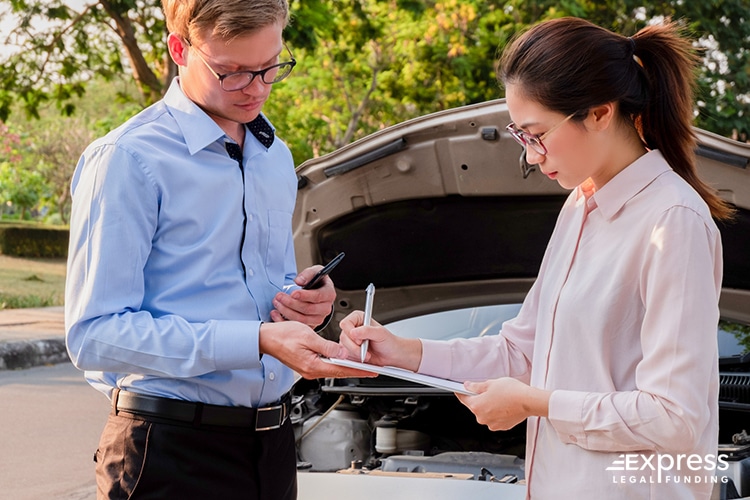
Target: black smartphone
315, 282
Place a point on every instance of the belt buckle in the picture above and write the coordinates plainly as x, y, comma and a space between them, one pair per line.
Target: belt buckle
282, 413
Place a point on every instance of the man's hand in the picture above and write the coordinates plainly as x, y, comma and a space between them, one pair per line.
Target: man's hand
310, 307
505, 402
300, 348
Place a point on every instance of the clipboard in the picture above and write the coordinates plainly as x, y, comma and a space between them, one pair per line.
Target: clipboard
400, 373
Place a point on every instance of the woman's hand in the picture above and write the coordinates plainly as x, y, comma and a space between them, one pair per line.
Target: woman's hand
384, 347
505, 402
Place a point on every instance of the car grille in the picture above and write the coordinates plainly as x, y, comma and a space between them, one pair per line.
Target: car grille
734, 388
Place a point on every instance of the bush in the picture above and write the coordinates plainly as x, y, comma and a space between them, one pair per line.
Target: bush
9, 301
34, 241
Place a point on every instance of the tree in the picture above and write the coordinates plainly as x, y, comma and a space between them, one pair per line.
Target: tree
21, 186
367, 64
57, 160
56, 49
363, 64
53, 144
722, 31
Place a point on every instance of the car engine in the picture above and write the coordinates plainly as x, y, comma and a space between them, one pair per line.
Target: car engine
384, 425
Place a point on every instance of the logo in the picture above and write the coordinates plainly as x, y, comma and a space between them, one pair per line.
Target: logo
661, 468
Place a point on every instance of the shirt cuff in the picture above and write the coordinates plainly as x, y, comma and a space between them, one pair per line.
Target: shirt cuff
436, 358
566, 416
236, 345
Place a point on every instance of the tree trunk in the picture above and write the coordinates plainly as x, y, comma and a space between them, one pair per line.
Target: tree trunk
150, 86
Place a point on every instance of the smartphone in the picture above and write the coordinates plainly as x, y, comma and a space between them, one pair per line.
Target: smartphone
315, 282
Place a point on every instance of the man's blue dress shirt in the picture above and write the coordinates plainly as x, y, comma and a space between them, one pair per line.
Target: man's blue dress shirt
157, 299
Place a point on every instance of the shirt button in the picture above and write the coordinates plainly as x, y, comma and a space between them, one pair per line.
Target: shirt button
250, 272
271, 376
573, 439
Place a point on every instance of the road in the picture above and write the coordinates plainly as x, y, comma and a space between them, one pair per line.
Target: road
50, 421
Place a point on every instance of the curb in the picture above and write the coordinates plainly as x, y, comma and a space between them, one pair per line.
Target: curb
29, 353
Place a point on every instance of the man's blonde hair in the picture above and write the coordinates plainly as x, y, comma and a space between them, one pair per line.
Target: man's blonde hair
224, 19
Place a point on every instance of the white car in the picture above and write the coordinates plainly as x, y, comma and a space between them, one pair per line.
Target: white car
444, 216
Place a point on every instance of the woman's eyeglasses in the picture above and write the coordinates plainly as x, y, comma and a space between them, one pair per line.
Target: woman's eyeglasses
534, 141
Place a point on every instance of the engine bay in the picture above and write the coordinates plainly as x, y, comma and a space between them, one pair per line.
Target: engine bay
385, 425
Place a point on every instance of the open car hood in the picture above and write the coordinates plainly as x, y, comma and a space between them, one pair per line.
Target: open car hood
442, 212
442, 215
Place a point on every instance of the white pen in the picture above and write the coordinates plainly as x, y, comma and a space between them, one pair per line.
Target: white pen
370, 293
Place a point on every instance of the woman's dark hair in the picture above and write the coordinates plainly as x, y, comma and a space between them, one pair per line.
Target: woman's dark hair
570, 65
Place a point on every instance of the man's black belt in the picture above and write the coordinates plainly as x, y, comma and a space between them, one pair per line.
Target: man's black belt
261, 419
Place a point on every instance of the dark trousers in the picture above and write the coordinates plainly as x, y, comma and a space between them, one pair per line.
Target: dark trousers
142, 458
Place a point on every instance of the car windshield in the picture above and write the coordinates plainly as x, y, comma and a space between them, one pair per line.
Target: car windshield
457, 323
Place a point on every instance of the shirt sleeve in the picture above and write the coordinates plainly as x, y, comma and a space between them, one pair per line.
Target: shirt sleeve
508, 354
113, 221
669, 410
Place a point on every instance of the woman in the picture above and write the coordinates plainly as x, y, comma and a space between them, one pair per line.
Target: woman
613, 357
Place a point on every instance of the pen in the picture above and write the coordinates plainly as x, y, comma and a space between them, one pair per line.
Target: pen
370, 293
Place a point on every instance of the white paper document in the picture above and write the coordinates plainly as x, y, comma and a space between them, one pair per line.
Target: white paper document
392, 371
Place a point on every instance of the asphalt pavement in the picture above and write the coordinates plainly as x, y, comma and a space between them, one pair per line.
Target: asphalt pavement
32, 337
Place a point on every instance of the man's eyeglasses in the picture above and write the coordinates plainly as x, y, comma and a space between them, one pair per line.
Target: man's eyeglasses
241, 79
534, 141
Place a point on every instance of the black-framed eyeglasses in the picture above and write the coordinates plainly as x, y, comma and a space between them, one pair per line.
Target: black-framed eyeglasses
534, 141
238, 80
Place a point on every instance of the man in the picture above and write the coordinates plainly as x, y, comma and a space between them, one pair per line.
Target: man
183, 304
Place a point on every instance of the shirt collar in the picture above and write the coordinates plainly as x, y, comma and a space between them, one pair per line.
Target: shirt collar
262, 129
200, 130
196, 126
629, 182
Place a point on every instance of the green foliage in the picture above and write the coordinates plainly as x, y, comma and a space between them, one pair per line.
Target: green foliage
21, 185
722, 31
363, 64
741, 333
53, 144
367, 64
55, 50
725, 80
34, 241
10, 301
